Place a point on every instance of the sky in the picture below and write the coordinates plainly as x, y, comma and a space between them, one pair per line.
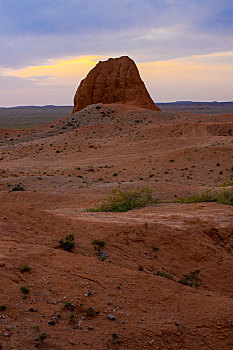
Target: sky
183, 48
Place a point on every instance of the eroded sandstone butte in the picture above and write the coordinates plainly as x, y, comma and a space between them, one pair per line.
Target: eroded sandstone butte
116, 80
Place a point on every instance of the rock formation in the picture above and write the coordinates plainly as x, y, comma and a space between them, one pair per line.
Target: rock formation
116, 80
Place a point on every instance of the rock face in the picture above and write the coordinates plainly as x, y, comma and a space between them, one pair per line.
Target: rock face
116, 80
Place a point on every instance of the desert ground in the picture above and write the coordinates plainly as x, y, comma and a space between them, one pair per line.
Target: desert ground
75, 300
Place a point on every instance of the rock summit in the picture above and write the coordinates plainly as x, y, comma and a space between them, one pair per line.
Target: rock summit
116, 80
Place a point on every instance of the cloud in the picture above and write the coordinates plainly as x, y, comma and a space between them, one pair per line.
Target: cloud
44, 43
199, 77
34, 31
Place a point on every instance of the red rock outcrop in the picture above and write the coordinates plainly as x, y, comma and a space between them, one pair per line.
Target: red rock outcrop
116, 80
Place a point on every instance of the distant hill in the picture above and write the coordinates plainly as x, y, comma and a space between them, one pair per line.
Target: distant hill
29, 116
197, 107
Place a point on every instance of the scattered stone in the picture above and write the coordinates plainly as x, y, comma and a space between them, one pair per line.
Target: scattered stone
111, 317
101, 255
32, 309
90, 328
17, 187
52, 323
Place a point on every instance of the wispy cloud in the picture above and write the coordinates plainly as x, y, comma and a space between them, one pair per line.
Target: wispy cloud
43, 41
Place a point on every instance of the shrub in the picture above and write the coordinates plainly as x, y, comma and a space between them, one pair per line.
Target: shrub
228, 182
99, 243
155, 249
120, 201
24, 290
24, 268
43, 336
225, 197
69, 306
222, 197
115, 339
90, 312
67, 243
205, 196
164, 274
192, 279
3, 307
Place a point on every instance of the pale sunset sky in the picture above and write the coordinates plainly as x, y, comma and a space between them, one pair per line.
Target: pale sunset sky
183, 48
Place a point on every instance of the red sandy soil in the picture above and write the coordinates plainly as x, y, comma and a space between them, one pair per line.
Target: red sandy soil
72, 164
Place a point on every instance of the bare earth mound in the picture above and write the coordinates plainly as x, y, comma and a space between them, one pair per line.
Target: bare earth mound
130, 295
113, 81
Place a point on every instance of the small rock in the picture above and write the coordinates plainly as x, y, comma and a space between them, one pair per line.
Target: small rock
52, 323
32, 309
111, 317
90, 328
17, 187
101, 255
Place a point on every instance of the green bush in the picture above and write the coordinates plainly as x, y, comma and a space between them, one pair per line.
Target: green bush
24, 290
164, 274
69, 306
191, 280
205, 196
67, 243
99, 243
222, 197
120, 201
225, 197
43, 336
24, 268
228, 182
3, 307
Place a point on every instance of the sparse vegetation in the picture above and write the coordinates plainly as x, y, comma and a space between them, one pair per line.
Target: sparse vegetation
24, 290
191, 280
227, 183
43, 336
140, 268
164, 274
115, 339
3, 307
24, 268
120, 201
222, 197
99, 243
225, 197
90, 312
67, 243
69, 306
155, 249
205, 196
